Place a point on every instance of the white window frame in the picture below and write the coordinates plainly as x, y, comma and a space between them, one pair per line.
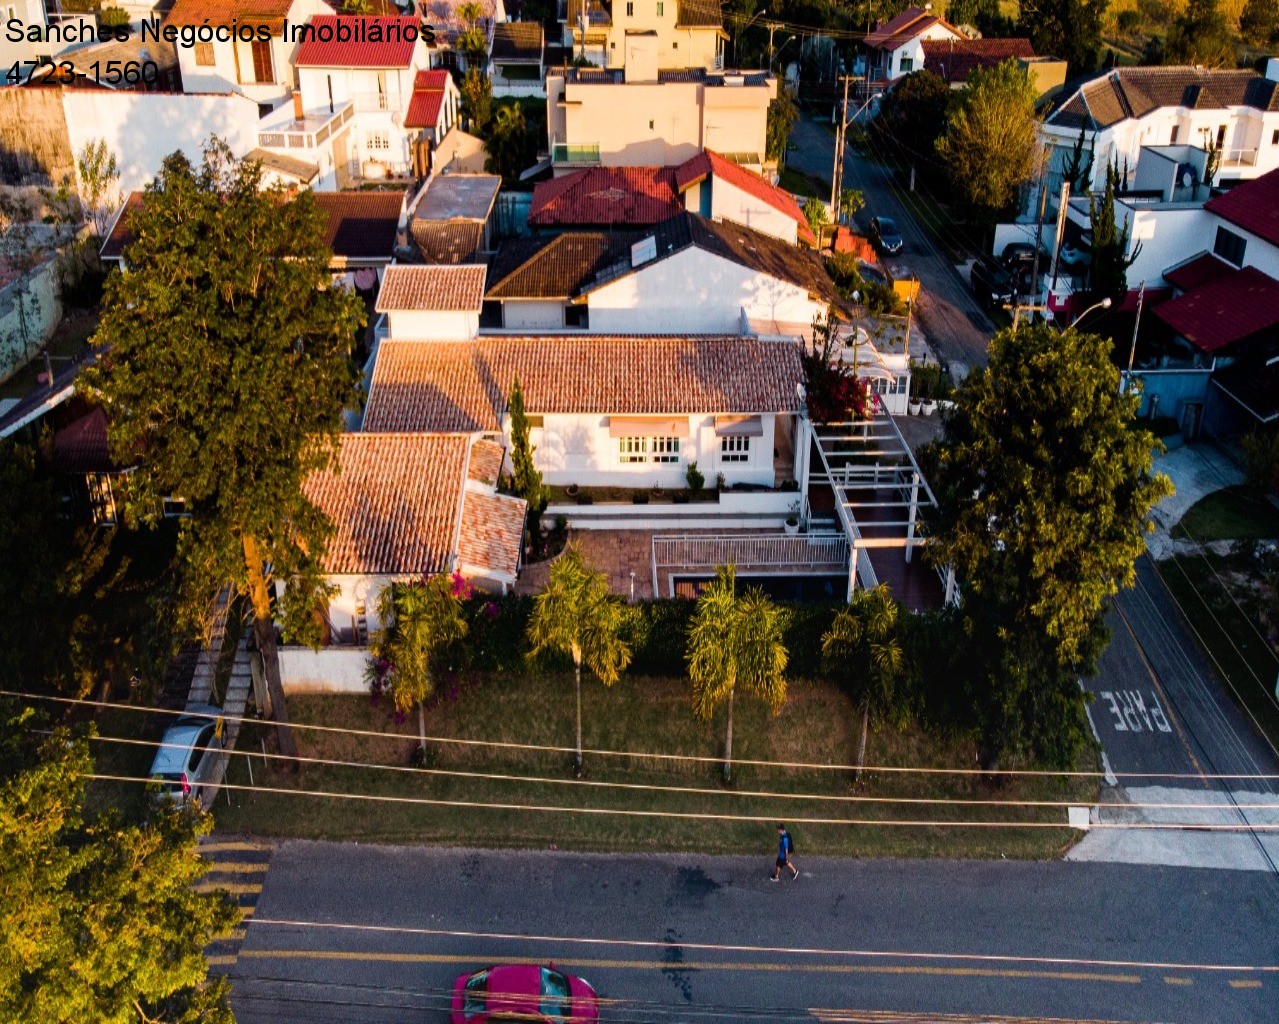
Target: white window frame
735, 448
378, 142
633, 451
664, 449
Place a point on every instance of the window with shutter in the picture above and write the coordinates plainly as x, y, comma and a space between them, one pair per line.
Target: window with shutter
263, 70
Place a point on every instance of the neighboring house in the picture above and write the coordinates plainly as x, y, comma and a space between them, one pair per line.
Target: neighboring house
687, 33
605, 410
519, 53
433, 111
432, 303
443, 24
452, 219
706, 184
361, 228
164, 55
82, 455
643, 116
405, 506
896, 47
29, 13
1129, 108
699, 275
349, 113
261, 69
955, 59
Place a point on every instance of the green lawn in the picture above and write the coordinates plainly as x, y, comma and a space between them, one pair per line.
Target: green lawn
802, 184
817, 725
1230, 626
70, 339
1231, 514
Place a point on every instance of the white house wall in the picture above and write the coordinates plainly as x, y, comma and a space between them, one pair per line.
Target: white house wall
1257, 252
142, 128
533, 314
1166, 236
412, 325
578, 449
694, 292
730, 203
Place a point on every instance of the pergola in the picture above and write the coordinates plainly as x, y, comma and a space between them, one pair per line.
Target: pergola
879, 493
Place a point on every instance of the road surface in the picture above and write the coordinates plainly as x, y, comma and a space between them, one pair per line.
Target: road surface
377, 934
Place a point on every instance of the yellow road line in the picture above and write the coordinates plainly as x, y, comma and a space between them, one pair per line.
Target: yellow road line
237, 867
234, 888
704, 965
1177, 981
234, 935
895, 1017
246, 912
1244, 983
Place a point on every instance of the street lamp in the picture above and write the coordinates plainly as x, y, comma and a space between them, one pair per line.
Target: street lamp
1103, 304
773, 59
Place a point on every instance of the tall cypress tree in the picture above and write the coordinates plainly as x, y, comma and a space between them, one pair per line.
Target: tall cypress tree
526, 480
1108, 274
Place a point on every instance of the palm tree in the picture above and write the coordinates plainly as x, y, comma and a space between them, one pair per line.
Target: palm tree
507, 142
735, 640
576, 615
420, 621
472, 41
863, 649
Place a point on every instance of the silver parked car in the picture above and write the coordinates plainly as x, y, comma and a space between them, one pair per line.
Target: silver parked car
184, 762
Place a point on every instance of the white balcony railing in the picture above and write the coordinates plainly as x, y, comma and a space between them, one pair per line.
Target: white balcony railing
310, 132
799, 553
1239, 157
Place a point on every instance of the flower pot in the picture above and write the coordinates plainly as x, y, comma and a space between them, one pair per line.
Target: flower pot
791, 526
571, 490
914, 407
928, 407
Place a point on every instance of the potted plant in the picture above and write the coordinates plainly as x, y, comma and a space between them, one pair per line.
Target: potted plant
791, 526
694, 478
639, 497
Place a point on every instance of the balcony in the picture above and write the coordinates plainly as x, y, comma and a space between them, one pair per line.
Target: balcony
562, 153
1239, 157
281, 130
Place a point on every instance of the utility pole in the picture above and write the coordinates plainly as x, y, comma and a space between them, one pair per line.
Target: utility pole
837, 172
772, 27
1132, 349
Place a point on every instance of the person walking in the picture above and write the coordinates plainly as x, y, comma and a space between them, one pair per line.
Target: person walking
784, 849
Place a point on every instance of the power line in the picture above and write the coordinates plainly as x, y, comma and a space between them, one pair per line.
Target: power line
686, 758
684, 790
752, 819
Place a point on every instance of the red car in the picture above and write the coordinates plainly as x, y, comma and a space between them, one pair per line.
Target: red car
523, 992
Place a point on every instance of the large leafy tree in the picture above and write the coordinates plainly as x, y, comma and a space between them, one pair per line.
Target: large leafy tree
512, 141
911, 117
782, 115
991, 142
421, 621
1044, 492
477, 99
577, 616
225, 368
1067, 29
1201, 35
101, 922
862, 650
735, 640
1259, 22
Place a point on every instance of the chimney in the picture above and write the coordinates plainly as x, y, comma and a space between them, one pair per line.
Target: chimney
297, 105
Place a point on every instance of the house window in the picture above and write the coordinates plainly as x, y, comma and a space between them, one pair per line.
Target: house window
630, 9
1172, 139
577, 316
675, 45
204, 55
1221, 135
263, 66
632, 449
1230, 247
908, 65
661, 8
650, 125
665, 449
1274, 138
734, 449
379, 141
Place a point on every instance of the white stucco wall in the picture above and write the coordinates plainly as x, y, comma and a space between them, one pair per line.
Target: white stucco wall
695, 292
730, 203
418, 326
1257, 253
579, 449
142, 128
1166, 236
328, 670
531, 314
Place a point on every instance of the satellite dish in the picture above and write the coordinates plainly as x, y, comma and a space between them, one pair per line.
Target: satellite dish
1187, 179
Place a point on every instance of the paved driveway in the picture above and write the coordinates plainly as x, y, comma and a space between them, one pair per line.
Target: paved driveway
958, 329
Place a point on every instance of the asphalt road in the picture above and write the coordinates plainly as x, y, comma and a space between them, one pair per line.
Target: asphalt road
955, 324
375, 934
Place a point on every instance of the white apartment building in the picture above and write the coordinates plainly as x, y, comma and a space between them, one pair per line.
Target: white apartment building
687, 33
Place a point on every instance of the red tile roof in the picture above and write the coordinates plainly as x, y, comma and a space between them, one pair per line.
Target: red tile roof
455, 288
375, 42
427, 100
361, 225
906, 26
890, 28
1230, 309
955, 59
222, 12
1252, 205
1197, 271
486, 462
491, 535
463, 386
606, 196
708, 162
81, 446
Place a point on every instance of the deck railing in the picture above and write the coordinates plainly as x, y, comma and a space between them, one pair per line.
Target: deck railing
800, 552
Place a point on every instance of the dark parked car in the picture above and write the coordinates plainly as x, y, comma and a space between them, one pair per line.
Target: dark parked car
992, 283
1019, 259
884, 233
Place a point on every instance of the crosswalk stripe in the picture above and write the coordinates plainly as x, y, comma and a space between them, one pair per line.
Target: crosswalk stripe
234, 888
233, 845
1245, 983
237, 867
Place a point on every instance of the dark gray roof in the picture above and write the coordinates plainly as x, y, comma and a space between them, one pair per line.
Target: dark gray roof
518, 41
1134, 92
447, 241
465, 196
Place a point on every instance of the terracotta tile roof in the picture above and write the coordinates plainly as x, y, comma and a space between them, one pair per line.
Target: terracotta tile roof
1252, 205
393, 500
486, 462
518, 41
429, 90
1197, 271
361, 225
1127, 92
379, 42
442, 289
1230, 309
605, 197
302, 171
569, 265
709, 162
699, 14
463, 386
120, 235
221, 12
447, 241
81, 446
890, 28
956, 59
906, 26
492, 533
436, 78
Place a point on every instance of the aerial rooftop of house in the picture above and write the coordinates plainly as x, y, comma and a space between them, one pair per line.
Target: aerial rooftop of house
606, 196
956, 59
271, 13
459, 196
1252, 206
463, 386
380, 42
435, 289
904, 27
1133, 92
518, 41
1229, 308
